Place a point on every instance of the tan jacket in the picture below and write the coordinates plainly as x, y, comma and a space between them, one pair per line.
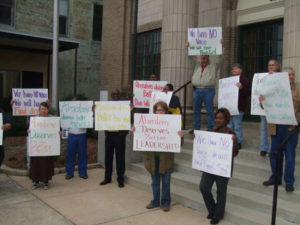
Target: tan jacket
166, 162
296, 101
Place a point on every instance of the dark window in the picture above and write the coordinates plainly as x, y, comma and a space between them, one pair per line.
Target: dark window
97, 22
6, 11
148, 54
63, 17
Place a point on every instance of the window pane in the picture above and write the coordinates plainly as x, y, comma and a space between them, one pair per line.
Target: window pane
6, 11
62, 25
63, 8
97, 22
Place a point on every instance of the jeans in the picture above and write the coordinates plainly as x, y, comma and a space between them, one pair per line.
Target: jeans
205, 95
289, 153
166, 180
76, 144
264, 145
235, 124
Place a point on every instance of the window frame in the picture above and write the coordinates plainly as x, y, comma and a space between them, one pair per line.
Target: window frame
94, 38
12, 16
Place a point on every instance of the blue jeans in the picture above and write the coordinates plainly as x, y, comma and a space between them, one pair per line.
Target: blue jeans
166, 180
205, 95
289, 152
76, 144
264, 145
235, 124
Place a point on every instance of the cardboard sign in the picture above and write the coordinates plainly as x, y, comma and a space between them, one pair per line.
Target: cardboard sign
156, 132
212, 153
278, 103
205, 41
76, 114
112, 115
1, 131
27, 101
255, 92
229, 94
44, 138
142, 92
159, 96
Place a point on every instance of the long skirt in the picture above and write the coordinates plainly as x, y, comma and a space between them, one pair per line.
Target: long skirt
41, 169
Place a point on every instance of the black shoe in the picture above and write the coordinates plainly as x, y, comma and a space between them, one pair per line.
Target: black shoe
270, 182
214, 221
239, 146
105, 182
121, 185
289, 188
263, 153
85, 177
68, 177
210, 216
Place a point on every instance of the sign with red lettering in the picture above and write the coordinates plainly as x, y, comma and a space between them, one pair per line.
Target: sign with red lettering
156, 132
142, 91
27, 101
44, 138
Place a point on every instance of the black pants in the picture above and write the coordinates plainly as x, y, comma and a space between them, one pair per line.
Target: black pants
1, 154
114, 142
217, 209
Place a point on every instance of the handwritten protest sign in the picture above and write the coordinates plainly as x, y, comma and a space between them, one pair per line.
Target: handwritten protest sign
156, 132
229, 94
278, 103
112, 115
212, 153
104, 95
159, 96
142, 91
44, 138
1, 131
27, 101
76, 114
205, 41
255, 92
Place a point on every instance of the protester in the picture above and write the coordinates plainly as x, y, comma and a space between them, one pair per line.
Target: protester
273, 66
115, 141
278, 134
41, 167
6, 125
160, 165
244, 92
77, 143
174, 105
153, 77
216, 209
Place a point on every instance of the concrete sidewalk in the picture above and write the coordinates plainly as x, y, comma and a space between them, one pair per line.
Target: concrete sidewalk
84, 202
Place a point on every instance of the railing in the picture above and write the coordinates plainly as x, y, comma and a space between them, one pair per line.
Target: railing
184, 100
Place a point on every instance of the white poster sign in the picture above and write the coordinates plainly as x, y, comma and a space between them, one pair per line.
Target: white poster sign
229, 94
44, 138
205, 41
104, 95
160, 96
76, 114
157, 132
112, 115
212, 153
142, 92
27, 101
278, 103
1, 131
255, 92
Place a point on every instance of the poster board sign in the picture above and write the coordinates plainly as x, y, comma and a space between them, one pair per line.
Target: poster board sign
142, 91
205, 41
156, 132
44, 138
229, 94
212, 153
255, 92
76, 114
112, 115
27, 101
104, 95
278, 103
1, 131
159, 96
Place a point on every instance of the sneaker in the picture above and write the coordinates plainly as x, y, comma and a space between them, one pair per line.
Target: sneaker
166, 208
150, 206
214, 221
289, 188
34, 186
263, 153
270, 182
46, 187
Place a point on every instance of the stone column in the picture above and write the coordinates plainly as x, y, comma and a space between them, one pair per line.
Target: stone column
291, 36
178, 16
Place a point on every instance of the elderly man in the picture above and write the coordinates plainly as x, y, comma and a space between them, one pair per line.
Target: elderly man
115, 141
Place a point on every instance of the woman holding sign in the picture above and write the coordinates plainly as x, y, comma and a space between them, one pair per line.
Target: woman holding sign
160, 166
41, 167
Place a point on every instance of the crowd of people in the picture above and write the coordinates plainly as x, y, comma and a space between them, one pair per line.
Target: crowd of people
161, 164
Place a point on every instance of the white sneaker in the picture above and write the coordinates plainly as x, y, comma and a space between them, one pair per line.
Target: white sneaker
46, 187
34, 186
